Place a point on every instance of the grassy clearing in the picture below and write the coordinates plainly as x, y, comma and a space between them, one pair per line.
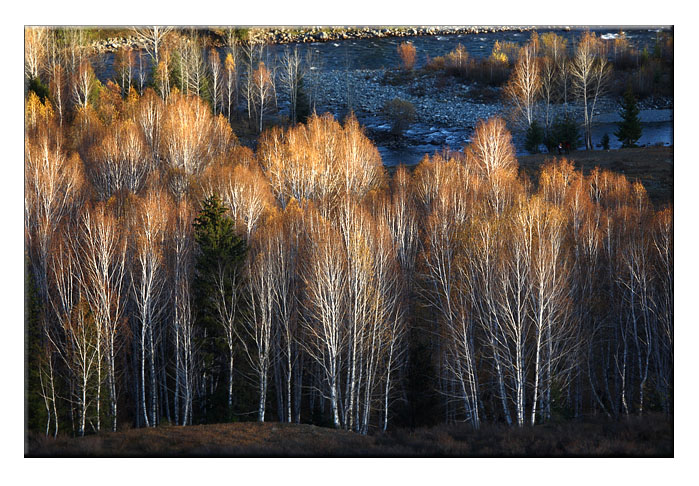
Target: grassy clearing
653, 166
648, 436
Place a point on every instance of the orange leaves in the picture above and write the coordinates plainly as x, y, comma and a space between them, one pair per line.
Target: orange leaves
458, 58
491, 149
244, 191
504, 52
109, 103
229, 63
320, 160
262, 92
262, 77
187, 133
150, 222
590, 43
554, 179
119, 161
554, 45
223, 138
406, 51
37, 113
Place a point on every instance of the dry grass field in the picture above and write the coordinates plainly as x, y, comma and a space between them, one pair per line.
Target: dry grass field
653, 166
647, 436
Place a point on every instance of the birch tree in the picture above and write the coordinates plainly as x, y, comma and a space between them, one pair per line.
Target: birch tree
291, 77
80, 350
261, 325
124, 68
186, 141
181, 251
150, 221
325, 278
549, 309
262, 85
524, 86
663, 244
491, 148
230, 80
58, 87
102, 253
83, 83
590, 73
34, 51
153, 38
215, 71
148, 116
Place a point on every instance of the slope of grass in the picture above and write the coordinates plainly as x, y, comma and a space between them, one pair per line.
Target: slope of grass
653, 166
648, 436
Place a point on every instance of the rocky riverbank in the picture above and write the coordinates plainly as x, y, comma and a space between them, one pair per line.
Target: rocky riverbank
113, 44
448, 105
446, 114
365, 92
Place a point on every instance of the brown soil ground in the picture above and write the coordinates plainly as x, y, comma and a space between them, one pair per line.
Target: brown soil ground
653, 166
649, 436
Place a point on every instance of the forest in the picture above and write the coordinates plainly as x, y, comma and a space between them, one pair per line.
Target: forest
175, 275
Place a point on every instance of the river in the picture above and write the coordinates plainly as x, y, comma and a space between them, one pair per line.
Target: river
347, 74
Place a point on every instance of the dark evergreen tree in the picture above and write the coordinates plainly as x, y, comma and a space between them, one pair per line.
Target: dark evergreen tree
303, 106
220, 254
629, 130
605, 141
41, 90
534, 138
565, 131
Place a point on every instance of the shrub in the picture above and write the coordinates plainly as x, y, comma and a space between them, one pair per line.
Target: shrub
492, 71
563, 130
457, 59
436, 64
401, 113
406, 51
505, 51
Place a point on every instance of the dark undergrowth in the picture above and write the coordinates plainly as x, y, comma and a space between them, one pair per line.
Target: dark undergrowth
647, 436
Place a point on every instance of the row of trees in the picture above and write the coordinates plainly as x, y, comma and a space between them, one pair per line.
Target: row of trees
548, 296
175, 276
545, 73
240, 77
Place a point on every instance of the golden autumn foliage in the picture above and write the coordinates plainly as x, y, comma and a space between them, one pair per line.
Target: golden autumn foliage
407, 54
319, 160
37, 113
458, 58
505, 52
524, 294
491, 149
